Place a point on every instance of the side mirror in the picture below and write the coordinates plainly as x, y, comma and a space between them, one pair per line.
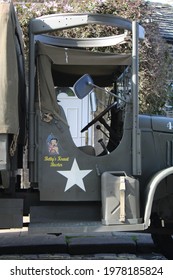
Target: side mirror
83, 86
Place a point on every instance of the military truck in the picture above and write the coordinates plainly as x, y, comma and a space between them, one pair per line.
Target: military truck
76, 187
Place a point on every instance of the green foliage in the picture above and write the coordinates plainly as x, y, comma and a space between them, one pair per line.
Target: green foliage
154, 71
154, 55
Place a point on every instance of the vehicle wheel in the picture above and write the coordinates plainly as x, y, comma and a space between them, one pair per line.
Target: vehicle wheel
165, 244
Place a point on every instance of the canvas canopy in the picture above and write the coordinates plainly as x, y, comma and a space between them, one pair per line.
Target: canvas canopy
58, 66
9, 78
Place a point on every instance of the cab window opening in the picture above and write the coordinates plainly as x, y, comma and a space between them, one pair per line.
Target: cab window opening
106, 133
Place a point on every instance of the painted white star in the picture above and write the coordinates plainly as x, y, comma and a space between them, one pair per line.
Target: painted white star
75, 176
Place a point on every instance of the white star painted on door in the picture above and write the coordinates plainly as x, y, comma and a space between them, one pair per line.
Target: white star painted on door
75, 176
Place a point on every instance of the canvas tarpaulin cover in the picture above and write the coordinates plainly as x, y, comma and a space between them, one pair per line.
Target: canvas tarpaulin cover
9, 120
58, 66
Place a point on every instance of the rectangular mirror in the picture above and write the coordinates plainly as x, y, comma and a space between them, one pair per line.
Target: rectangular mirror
83, 86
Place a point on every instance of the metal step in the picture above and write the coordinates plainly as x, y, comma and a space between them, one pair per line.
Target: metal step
80, 227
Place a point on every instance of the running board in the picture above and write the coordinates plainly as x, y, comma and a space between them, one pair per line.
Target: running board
81, 227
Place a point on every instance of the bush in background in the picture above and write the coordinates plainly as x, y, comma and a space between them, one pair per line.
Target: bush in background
154, 54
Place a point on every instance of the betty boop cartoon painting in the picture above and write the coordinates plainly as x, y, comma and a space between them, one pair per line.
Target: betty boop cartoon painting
52, 144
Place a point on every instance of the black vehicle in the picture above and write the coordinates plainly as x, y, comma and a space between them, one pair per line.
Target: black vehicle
125, 184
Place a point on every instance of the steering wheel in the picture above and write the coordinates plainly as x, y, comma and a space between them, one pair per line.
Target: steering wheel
97, 118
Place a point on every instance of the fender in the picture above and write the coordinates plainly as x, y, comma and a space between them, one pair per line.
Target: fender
150, 191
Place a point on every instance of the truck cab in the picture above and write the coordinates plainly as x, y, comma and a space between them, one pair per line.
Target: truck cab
119, 182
